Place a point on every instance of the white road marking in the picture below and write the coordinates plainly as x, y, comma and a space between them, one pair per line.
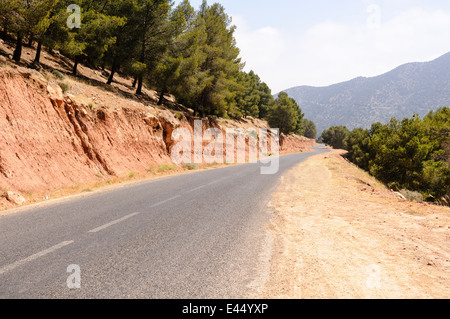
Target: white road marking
165, 201
196, 189
34, 257
209, 184
218, 181
96, 230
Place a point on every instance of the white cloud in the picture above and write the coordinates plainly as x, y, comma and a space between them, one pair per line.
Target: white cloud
331, 52
261, 48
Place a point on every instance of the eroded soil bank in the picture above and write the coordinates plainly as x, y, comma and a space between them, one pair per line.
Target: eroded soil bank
53, 141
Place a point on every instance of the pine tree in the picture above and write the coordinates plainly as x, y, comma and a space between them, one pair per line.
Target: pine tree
308, 129
266, 100
152, 15
29, 17
17, 23
41, 25
188, 46
222, 62
7, 16
177, 65
285, 114
336, 136
123, 53
248, 96
95, 36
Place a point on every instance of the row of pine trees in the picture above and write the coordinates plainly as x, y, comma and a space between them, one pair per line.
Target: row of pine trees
177, 50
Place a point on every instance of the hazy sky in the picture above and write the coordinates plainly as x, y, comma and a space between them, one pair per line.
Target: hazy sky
322, 42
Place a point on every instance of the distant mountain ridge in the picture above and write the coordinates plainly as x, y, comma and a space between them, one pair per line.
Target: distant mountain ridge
408, 89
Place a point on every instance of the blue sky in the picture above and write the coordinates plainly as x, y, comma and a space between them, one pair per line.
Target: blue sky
322, 42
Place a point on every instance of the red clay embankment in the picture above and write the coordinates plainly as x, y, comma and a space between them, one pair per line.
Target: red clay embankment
49, 140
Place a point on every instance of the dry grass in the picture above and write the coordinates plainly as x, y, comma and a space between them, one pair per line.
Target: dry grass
339, 233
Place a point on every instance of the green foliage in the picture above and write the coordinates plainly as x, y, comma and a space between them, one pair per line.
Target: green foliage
124, 51
152, 169
412, 196
220, 64
246, 95
307, 129
131, 175
64, 86
166, 168
179, 63
7, 9
177, 50
23, 17
139, 67
190, 166
285, 114
252, 97
95, 37
266, 100
58, 75
335, 136
411, 154
26, 18
154, 34
179, 71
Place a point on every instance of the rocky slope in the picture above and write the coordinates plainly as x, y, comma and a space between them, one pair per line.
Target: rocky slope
50, 140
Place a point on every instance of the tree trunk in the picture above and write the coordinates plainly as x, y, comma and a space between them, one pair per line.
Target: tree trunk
75, 65
18, 51
195, 110
113, 71
111, 76
161, 97
4, 33
134, 82
37, 58
139, 87
30, 40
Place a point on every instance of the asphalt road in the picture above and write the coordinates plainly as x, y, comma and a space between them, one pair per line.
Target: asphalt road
193, 236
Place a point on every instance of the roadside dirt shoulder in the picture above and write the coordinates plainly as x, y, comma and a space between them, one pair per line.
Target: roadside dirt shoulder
338, 234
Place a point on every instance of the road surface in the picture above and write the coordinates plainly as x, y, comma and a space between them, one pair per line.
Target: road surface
193, 236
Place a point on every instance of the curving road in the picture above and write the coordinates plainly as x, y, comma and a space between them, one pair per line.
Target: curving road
193, 236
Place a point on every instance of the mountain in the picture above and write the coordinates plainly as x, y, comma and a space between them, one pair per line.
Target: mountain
408, 89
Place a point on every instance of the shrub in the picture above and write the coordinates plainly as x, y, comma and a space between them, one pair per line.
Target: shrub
190, 166
151, 169
412, 196
58, 75
64, 86
130, 175
166, 168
